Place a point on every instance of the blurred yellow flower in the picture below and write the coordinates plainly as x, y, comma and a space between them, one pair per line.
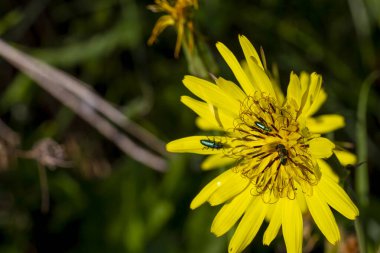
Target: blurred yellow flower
178, 15
276, 150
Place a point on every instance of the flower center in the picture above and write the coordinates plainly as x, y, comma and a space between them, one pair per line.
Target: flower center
272, 149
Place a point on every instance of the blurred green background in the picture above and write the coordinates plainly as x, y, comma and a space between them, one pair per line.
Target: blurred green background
108, 202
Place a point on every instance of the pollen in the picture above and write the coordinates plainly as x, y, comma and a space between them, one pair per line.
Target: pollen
271, 147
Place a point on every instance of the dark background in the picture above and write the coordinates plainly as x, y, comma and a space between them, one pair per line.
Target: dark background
108, 202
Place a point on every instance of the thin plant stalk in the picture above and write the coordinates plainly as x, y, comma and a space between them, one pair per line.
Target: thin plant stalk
360, 235
361, 180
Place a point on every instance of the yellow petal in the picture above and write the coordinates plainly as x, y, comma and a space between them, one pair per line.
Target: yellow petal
277, 90
207, 125
321, 147
318, 102
211, 187
260, 79
211, 93
345, 157
304, 80
193, 144
337, 198
292, 226
233, 63
325, 123
231, 88
161, 24
249, 50
269, 214
180, 31
231, 212
200, 108
216, 161
294, 90
301, 200
215, 116
323, 216
248, 226
235, 185
313, 101
327, 171
275, 223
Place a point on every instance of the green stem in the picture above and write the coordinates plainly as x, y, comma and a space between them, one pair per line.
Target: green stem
195, 63
360, 235
361, 180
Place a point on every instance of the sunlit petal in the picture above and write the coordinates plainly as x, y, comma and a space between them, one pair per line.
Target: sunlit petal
231, 212
345, 157
325, 123
274, 224
215, 161
193, 144
248, 226
213, 186
292, 228
211, 93
337, 198
321, 147
323, 216
236, 68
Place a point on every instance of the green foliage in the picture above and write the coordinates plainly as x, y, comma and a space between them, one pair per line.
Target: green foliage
106, 202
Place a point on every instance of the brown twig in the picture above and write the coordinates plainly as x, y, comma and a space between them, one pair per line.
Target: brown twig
82, 91
85, 94
75, 95
8, 135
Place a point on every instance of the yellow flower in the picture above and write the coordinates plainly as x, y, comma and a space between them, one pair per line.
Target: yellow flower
276, 150
178, 15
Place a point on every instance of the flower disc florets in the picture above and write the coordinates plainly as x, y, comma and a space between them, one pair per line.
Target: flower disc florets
271, 146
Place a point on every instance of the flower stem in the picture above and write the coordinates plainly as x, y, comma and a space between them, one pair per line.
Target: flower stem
361, 180
360, 235
195, 63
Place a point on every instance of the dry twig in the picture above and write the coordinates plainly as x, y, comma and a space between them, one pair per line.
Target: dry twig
78, 97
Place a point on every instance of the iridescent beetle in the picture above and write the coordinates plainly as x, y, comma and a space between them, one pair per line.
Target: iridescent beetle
211, 144
263, 126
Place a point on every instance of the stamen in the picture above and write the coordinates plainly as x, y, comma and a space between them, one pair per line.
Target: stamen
271, 149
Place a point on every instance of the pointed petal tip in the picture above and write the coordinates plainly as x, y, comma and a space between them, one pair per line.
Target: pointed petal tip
201, 198
354, 215
195, 204
215, 232
315, 74
242, 37
219, 44
186, 78
266, 240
